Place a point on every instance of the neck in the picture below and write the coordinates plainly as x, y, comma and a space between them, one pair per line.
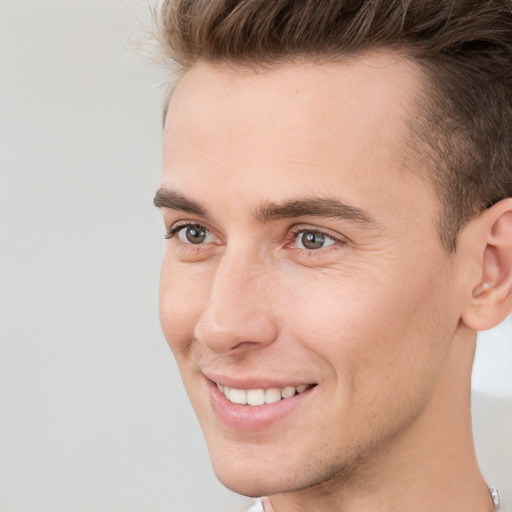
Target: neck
430, 466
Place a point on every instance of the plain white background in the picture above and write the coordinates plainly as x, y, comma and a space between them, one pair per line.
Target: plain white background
93, 417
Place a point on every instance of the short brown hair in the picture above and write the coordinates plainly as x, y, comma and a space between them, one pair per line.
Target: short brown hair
464, 47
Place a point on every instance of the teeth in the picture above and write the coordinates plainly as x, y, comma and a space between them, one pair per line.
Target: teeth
238, 396
272, 395
260, 396
255, 397
288, 392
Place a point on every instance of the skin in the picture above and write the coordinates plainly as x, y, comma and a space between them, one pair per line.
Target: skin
381, 318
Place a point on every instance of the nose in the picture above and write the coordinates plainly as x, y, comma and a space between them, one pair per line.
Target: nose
238, 315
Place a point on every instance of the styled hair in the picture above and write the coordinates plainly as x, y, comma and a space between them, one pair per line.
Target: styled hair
462, 125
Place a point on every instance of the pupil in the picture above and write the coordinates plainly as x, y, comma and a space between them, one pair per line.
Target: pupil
195, 235
313, 240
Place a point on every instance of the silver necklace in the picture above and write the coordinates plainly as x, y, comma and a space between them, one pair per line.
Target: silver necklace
495, 495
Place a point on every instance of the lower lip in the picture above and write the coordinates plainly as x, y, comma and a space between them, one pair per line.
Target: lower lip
253, 418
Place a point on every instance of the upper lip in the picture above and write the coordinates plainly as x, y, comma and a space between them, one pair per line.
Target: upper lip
254, 382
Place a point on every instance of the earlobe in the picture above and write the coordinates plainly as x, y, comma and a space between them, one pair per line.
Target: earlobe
491, 300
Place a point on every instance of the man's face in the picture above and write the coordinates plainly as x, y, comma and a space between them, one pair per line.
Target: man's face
302, 251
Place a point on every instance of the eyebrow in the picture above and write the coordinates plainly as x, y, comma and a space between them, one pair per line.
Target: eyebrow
325, 207
175, 201
328, 208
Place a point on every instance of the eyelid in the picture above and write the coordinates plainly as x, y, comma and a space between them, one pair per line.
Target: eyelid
300, 228
292, 233
176, 227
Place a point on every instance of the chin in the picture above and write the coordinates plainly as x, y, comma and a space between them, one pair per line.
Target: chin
246, 486
251, 474
247, 483
255, 477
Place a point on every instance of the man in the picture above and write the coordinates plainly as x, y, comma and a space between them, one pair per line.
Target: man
337, 182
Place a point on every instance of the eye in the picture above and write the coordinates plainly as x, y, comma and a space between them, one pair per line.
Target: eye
191, 234
312, 240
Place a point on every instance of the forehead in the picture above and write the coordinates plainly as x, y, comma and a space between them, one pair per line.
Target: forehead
292, 125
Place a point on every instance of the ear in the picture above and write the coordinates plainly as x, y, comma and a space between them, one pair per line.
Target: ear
491, 296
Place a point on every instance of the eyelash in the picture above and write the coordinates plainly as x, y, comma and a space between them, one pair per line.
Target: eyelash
172, 232
292, 235
295, 232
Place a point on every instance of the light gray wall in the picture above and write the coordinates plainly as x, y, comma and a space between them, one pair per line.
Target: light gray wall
92, 414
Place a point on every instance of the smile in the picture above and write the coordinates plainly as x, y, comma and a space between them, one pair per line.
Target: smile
256, 397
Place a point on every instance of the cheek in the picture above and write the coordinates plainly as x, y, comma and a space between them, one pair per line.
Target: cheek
373, 331
180, 305
380, 351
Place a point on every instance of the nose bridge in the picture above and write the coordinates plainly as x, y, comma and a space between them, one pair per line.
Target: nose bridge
239, 306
